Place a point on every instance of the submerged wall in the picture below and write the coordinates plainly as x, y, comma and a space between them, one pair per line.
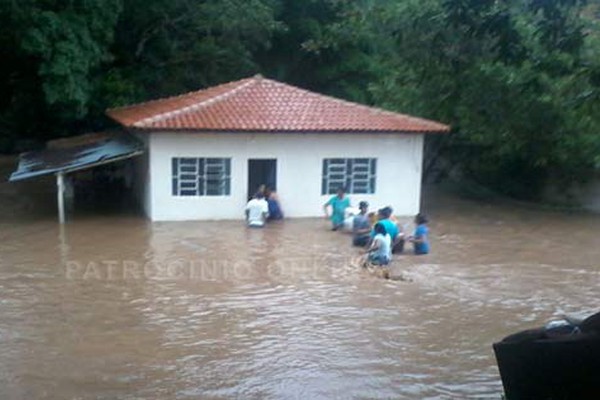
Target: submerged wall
299, 171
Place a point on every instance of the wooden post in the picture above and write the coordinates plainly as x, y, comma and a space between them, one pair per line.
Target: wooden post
60, 190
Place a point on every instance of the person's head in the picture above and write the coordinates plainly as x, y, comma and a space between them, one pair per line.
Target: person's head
267, 192
420, 219
341, 192
259, 195
379, 228
385, 212
363, 206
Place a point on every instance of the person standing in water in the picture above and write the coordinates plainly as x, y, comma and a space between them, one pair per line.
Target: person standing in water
420, 239
338, 204
361, 226
275, 212
257, 211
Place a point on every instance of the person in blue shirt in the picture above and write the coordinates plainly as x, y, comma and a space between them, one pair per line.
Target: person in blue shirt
391, 227
420, 239
383, 217
275, 212
338, 204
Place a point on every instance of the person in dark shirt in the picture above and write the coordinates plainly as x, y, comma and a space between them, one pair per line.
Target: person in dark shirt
275, 212
361, 226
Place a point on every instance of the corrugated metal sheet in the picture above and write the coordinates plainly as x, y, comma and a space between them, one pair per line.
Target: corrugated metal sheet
84, 152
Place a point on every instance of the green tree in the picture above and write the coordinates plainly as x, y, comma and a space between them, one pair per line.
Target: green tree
517, 80
53, 52
510, 77
165, 47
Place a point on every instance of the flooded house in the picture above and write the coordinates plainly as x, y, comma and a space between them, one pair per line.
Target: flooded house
203, 154
208, 151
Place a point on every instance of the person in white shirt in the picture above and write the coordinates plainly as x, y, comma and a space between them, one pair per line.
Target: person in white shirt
257, 211
380, 251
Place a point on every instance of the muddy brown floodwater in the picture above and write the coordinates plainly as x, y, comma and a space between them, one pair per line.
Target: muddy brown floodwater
116, 307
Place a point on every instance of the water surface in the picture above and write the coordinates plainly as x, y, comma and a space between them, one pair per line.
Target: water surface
113, 306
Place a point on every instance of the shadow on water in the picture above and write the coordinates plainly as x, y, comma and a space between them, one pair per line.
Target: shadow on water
113, 306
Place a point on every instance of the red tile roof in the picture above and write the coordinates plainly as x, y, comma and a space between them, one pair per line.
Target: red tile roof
258, 104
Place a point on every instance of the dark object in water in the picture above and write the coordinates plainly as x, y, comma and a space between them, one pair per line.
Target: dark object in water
558, 362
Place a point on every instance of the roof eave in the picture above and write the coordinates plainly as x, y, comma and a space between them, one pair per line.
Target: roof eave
286, 131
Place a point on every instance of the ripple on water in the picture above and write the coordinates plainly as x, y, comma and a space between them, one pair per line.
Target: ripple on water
301, 321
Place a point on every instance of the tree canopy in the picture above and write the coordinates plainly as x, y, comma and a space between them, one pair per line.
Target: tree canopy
518, 80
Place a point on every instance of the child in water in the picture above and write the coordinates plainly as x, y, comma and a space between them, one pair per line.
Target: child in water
420, 239
380, 250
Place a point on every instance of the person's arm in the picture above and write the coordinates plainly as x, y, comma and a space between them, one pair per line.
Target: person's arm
419, 237
400, 235
326, 208
265, 210
374, 246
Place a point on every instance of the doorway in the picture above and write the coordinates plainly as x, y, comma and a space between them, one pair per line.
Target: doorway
261, 172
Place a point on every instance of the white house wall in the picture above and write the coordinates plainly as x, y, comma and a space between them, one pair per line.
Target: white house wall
299, 169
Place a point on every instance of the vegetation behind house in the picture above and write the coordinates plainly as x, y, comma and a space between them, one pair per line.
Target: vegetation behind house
518, 80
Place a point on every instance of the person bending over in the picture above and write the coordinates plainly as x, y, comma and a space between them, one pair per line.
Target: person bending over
380, 250
385, 216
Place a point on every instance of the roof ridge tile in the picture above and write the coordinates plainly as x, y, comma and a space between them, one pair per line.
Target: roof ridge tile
203, 103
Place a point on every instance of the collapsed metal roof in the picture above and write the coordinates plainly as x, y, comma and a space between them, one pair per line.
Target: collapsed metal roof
80, 152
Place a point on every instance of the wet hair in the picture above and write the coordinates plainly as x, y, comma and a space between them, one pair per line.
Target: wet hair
421, 219
379, 228
363, 204
259, 195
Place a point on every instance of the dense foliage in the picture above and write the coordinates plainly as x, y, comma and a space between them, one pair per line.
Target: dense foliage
518, 80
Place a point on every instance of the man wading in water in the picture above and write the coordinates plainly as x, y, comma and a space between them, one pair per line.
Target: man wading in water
257, 211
